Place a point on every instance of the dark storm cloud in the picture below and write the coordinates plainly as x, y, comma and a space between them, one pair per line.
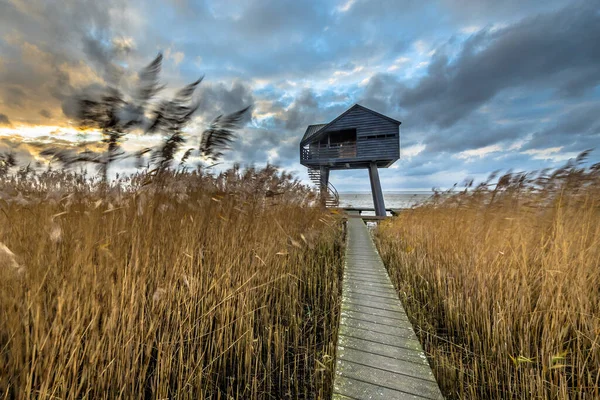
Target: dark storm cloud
473, 132
291, 39
4, 120
282, 134
220, 98
428, 164
45, 113
486, 11
578, 128
72, 97
548, 50
253, 145
310, 108
505, 92
300, 113
380, 94
44, 45
102, 56
14, 96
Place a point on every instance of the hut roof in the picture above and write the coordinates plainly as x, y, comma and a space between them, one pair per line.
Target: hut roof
313, 132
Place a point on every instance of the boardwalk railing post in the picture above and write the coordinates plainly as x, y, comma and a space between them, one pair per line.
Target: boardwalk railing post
376, 190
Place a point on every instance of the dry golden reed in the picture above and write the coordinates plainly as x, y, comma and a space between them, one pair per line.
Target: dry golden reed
184, 285
502, 283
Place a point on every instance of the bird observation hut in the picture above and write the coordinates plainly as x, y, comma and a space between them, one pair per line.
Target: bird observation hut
359, 138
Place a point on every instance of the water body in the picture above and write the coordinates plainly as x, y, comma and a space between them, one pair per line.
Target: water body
392, 199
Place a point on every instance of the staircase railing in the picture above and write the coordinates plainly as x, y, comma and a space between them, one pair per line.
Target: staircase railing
332, 197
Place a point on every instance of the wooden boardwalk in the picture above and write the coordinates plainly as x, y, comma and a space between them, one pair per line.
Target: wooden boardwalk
378, 354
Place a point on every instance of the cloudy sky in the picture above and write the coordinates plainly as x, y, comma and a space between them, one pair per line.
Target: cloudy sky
479, 85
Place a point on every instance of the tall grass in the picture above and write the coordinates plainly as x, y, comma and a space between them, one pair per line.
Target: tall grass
183, 285
502, 283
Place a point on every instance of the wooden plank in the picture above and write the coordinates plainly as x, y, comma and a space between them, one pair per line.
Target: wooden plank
374, 301
392, 320
379, 298
357, 277
376, 311
368, 217
389, 339
378, 353
415, 370
405, 347
416, 386
348, 388
368, 209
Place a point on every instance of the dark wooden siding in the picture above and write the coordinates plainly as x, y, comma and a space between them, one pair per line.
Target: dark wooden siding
367, 125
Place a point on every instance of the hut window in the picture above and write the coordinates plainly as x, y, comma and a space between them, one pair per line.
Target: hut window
343, 136
382, 136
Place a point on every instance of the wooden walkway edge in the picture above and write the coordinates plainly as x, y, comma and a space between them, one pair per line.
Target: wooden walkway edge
378, 353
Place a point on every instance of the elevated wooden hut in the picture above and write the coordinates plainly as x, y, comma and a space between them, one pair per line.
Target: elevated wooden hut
358, 138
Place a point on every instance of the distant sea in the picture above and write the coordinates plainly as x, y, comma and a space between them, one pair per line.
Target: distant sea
392, 199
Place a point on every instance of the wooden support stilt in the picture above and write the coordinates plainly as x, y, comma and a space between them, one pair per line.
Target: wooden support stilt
324, 184
376, 191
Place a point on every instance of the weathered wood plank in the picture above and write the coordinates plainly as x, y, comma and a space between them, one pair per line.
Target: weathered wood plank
369, 217
415, 370
345, 388
387, 295
406, 348
371, 301
374, 318
391, 380
370, 285
378, 353
387, 338
354, 335
360, 294
361, 279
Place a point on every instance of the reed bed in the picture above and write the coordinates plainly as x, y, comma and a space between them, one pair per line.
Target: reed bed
502, 283
183, 285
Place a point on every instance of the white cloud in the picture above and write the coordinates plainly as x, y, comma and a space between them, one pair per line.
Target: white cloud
123, 44
273, 155
470, 29
479, 153
421, 46
411, 151
551, 153
345, 6
177, 56
398, 62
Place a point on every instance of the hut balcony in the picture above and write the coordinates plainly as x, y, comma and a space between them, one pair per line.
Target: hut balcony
332, 151
362, 149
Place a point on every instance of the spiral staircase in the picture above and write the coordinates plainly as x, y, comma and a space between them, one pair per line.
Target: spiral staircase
332, 198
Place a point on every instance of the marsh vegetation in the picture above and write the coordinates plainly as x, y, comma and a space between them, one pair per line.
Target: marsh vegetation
166, 285
501, 282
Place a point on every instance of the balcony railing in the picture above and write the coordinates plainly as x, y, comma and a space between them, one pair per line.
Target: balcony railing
381, 149
342, 150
